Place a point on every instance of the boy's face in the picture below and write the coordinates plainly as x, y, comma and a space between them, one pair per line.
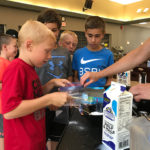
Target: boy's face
12, 48
41, 52
94, 37
69, 42
54, 28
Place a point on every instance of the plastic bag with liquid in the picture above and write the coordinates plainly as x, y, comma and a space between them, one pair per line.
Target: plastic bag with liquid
88, 100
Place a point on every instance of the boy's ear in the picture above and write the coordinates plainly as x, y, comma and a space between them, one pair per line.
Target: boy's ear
103, 35
4, 47
85, 33
29, 44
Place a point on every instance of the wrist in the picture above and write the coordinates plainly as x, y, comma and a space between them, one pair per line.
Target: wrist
99, 74
52, 83
48, 100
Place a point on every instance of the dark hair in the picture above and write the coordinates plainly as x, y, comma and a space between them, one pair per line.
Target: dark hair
12, 32
5, 39
93, 22
50, 16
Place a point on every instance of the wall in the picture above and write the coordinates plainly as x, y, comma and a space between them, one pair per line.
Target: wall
14, 17
117, 34
75, 24
131, 33
135, 35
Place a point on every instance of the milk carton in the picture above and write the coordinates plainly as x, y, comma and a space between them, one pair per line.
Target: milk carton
117, 112
124, 78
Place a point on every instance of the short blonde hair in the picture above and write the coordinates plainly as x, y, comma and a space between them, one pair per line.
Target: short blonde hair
67, 32
35, 31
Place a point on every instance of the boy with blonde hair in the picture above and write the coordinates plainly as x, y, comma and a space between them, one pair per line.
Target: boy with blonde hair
23, 102
8, 49
69, 40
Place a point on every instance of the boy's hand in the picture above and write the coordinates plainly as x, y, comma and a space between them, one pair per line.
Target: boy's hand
141, 91
54, 83
60, 82
92, 76
58, 99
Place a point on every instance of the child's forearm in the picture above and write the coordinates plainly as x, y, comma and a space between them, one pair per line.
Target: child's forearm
27, 107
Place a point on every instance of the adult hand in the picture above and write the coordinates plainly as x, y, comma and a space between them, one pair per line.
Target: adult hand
141, 91
92, 76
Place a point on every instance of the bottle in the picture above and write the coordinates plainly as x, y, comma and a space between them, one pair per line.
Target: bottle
148, 63
142, 77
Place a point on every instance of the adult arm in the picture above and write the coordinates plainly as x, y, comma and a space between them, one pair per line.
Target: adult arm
131, 60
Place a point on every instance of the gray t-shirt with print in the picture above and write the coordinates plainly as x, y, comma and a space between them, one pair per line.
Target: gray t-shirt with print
59, 66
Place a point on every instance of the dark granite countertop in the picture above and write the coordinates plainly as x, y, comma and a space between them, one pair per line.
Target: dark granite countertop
84, 132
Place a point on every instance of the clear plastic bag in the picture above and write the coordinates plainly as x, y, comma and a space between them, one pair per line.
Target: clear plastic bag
87, 100
75, 90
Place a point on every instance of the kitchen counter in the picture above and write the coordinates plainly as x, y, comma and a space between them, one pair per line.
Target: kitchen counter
84, 132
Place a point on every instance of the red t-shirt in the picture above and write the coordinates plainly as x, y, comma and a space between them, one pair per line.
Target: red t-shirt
25, 133
3, 65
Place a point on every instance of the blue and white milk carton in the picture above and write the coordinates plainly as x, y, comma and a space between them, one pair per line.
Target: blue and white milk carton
117, 113
124, 78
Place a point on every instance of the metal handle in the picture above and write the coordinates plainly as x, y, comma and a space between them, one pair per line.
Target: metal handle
145, 114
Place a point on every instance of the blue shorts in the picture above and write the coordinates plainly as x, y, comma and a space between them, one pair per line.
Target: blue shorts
1, 126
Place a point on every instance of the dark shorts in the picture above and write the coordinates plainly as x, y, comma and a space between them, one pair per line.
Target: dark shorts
1, 126
54, 130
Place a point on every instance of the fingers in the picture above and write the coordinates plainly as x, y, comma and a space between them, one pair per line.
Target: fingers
135, 90
70, 101
69, 98
65, 82
139, 92
84, 78
58, 99
137, 98
61, 82
88, 83
135, 93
